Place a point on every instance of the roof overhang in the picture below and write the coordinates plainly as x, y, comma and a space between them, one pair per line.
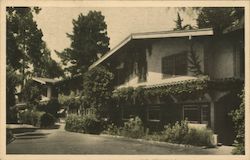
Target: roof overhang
45, 80
165, 82
154, 35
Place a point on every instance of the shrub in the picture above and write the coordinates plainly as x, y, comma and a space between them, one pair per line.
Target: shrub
31, 117
71, 101
84, 124
74, 123
238, 117
52, 106
11, 83
133, 128
199, 137
180, 133
176, 133
92, 125
47, 120
112, 129
97, 89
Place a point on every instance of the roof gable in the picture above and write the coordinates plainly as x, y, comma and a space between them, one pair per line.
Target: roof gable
154, 35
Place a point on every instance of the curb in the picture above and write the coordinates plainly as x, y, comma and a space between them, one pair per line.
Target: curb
164, 144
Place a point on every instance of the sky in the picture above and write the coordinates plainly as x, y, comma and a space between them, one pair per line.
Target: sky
121, 22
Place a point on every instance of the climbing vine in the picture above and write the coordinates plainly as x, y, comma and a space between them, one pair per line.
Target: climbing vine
191, 89
194, 62
139, 95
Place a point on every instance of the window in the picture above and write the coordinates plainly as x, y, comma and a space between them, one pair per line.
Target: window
153, 113
196, 113
191, 113
175, 64
205, 114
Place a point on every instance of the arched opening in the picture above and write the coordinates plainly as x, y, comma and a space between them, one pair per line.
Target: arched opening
223, 121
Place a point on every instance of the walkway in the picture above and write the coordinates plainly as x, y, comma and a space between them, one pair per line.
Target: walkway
59, 141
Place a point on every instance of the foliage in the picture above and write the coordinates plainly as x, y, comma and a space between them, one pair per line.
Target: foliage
176, 133
112, 129
31, 92
179, 133
219, 18
97, 89
178, 23
32, 117
12, 80
183, 89
89, 39
182, 134
199, 137
194, 62
83, 124
51, 106
72, 100
74, 123
133, 128
47, 120
27, 53
238, 117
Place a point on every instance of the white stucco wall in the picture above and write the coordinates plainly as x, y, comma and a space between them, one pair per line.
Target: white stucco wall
162, 48
166, 47
223, 60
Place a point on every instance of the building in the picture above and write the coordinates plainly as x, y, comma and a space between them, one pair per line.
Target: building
187, 74
51, 88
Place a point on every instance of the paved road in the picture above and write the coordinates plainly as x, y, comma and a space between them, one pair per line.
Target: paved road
59, 141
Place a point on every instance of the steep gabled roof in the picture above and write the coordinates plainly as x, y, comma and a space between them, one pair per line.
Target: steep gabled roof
154, 35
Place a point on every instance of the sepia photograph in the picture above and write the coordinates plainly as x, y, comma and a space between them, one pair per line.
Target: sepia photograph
86, 80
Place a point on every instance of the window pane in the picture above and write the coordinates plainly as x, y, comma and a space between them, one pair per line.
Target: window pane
175, 64
205, 114
191, 113
168, 65
181, 64
154, 113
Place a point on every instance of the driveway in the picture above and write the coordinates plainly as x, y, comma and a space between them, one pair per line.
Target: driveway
59, 141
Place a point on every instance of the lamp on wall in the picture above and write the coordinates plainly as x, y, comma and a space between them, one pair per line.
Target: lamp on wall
189, 37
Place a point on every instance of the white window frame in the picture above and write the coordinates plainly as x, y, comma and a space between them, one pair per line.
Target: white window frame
190, 107
199, 111
150, 108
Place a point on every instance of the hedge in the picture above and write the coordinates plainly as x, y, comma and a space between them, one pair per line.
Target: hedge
36, 118
83, 124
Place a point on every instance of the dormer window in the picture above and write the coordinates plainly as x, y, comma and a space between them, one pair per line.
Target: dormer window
175, 64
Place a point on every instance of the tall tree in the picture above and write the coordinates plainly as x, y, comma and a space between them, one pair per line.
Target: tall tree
22, 29
27, 54
219, 18
178, 23
89, 38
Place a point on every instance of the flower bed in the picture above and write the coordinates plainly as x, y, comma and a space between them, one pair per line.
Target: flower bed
179, 133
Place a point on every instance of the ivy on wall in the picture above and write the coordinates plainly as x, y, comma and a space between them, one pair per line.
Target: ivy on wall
139, 95
191, 89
